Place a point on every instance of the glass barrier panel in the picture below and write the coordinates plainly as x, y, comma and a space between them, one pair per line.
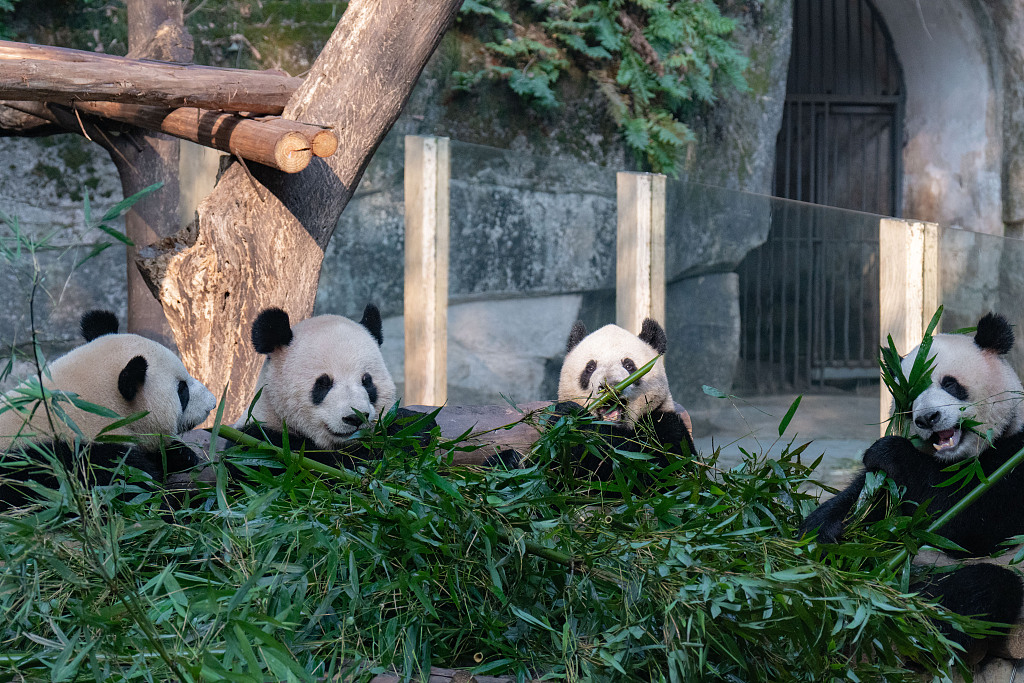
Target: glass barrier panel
979, 273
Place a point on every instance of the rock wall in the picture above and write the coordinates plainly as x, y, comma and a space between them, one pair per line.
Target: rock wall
533, 224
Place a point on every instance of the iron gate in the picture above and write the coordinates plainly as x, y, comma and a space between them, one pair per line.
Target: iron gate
809, 295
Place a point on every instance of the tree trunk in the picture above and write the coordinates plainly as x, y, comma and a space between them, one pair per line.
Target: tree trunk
155, 31
258, 240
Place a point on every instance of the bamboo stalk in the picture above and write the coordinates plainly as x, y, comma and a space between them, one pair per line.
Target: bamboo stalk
962, 504
52, 74
281, 146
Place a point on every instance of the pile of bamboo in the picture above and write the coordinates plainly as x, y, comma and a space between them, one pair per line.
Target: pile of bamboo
233, 110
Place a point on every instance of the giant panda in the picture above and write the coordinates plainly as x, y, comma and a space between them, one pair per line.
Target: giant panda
323, 379
596, 361
971, 380
124, 373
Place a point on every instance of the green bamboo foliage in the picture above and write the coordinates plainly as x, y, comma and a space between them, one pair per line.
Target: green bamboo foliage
905, 389
303, 572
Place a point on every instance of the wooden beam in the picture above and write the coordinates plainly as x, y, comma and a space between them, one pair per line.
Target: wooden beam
53, 74
427, 174
908, 288
640, 250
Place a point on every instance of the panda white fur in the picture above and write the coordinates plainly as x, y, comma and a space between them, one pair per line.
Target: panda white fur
125, 373
320, 378
971, 379
604, 358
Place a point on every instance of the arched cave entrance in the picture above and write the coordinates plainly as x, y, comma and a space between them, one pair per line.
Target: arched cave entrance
809, 295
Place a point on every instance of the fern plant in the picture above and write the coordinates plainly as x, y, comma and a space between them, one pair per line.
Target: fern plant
650, 60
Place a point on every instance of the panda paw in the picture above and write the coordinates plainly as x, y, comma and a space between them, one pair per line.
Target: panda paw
824, 520
506, 459
889, 454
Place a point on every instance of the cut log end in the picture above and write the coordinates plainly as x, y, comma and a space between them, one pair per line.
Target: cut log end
325, 143
293, 152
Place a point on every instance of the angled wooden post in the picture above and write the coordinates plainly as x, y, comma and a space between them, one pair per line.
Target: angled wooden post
427, 171
640, 249
908, 287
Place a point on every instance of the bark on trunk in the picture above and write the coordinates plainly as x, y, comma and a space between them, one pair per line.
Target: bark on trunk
155, 31
258, 241
55, 74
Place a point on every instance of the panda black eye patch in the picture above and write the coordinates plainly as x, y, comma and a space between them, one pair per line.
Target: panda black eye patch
952, 387
183, 394
371, 388
628, 365
321, 387
587, 374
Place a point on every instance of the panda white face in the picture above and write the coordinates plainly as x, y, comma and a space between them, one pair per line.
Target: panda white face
972, 380
600, 360
322, 376
126, 373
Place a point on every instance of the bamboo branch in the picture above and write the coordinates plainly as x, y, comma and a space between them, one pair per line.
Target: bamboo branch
52, 74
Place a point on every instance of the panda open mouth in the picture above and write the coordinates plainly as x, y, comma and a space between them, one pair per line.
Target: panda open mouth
615, 412
946, 439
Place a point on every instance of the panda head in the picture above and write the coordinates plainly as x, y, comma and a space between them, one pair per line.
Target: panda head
321, 374
125, 373
971, 379
604, 358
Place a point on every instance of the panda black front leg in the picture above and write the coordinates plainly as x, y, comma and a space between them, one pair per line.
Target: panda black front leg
671, 431
906, 466
985, 591
829, 519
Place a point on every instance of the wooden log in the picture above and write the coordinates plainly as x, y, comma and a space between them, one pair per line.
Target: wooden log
277, 144
427, 172
640, 249
15, 122
253, 247
53, 74
324, 140
908, 288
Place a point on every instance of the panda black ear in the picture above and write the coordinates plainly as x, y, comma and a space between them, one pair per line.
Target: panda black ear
98, 323
132, 377
576, 335
371, 321
994, 332
652, 334
271, 330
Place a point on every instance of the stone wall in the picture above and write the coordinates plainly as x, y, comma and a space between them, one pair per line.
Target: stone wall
533, 224
533, 250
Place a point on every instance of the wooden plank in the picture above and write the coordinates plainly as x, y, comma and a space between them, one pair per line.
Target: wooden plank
908, 288
52, 74
640, 249
427, 173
